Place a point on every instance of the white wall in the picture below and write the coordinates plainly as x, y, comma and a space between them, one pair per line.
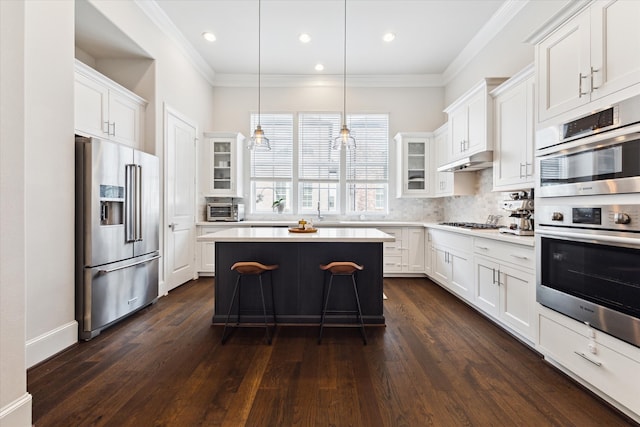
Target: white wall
49, 184
409, 109
508, 53
15, 402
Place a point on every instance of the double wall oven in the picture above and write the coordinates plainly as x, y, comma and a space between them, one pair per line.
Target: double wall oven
588, 219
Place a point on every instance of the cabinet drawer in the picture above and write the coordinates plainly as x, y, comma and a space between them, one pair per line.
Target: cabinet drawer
610, 371
451, 240
392, 264
393, 248
523, 256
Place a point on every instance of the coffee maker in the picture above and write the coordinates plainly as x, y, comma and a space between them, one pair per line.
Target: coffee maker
521, 207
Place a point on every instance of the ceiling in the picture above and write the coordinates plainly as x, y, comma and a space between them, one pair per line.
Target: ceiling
431, 35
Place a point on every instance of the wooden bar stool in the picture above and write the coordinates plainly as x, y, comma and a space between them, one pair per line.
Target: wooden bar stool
250, 268
342, 268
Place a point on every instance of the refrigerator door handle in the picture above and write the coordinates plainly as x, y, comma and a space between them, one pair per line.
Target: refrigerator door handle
138, 225
129, 221
128, 265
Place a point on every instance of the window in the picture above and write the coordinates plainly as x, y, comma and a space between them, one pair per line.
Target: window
272, 170
336, 181
318, 164
367, 166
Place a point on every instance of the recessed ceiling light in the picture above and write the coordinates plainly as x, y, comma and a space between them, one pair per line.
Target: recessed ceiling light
304, 38
210, 37
319, 67
388, 37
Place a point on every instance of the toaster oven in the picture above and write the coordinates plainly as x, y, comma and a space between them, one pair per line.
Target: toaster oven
225, 211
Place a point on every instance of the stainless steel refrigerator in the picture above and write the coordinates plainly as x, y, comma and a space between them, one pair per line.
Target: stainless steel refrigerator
117, 233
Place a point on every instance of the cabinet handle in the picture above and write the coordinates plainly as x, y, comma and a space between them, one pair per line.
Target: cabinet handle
499, 284
114, 129
107, 125
494, 276
580, 93
525, 170
593, 71
483, 248
585, 357
519, 257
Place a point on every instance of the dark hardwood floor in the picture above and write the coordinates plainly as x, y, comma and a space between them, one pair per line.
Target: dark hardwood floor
437, 362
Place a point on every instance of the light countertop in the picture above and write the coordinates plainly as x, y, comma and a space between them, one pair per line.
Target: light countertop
487, 234
281, 234
352, 226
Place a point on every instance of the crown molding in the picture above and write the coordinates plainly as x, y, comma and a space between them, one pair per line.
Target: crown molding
162, 21
300, 80
488, 32
568, 11
497, 22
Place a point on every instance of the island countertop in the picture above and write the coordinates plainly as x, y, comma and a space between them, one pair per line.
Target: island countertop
282, 234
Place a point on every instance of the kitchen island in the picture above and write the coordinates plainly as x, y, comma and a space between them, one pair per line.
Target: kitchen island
298, 282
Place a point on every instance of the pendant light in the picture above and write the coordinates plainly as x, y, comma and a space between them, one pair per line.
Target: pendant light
344, 139
258, 140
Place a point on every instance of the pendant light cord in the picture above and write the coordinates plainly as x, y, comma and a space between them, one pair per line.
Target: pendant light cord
259, 56
344, 63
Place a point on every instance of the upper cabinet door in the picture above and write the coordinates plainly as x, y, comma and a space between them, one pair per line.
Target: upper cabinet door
563, 68
126, 120
590, 56
91, 107
615, 46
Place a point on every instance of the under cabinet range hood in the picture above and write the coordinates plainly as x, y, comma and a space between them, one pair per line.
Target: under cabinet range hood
474, 162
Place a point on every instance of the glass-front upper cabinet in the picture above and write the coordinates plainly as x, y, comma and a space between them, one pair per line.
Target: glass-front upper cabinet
224, 164
414, 158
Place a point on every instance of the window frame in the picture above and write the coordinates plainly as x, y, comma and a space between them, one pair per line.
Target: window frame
299, 193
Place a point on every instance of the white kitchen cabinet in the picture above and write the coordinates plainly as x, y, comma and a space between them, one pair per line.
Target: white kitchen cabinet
505, 285
452, 262
406, 254
470, 120
414, 159
205, 251
428, 253
513, 150
223, 169
591, 55
605, 365
106, 110
448, 183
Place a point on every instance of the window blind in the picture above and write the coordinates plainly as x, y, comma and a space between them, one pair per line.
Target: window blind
369, 161
276, 163
317, 161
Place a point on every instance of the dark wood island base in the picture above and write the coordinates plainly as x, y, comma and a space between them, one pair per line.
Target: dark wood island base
298, 282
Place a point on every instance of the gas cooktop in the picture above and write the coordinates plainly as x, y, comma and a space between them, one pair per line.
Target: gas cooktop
472, 225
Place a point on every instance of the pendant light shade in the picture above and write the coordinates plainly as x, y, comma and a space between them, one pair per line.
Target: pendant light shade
258, 140
344, 139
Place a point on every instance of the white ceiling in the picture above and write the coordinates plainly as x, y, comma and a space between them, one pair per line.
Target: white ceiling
431, 35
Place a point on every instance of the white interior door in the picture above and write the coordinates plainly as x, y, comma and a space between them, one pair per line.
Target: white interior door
180, 226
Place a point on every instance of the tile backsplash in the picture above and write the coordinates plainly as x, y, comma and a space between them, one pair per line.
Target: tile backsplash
477, 207
474, 208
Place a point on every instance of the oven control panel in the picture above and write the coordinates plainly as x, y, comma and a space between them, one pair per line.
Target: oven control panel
611, 217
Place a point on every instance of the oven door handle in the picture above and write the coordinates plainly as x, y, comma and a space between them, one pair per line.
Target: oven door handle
595, 238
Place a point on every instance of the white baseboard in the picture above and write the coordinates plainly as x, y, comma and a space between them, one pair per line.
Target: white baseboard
48, 344
17, 413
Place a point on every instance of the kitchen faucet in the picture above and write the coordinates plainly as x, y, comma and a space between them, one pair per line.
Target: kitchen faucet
319, 216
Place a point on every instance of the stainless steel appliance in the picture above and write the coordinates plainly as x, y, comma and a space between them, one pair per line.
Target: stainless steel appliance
521, 213
588, 219
117, 232
589, 265
225, 211
595, 154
